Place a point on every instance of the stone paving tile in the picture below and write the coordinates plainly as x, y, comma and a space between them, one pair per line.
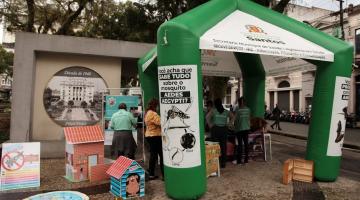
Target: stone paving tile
257, 180
342, 188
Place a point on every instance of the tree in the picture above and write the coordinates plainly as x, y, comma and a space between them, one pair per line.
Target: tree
132, 21
60, 103
71, 103
47, 97
84, 104
217, 87
6, 62
43, 16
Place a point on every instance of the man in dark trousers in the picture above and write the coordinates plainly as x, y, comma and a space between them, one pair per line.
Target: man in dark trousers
276, 112
242, 130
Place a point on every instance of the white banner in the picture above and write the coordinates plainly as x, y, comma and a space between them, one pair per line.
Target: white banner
219, 63
178, 93
241, 32
338, 121
278, 65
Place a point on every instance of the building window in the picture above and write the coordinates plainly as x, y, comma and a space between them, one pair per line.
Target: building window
357, 41
2, 81
284, 84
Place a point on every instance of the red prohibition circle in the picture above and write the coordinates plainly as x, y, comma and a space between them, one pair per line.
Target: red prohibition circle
18, 163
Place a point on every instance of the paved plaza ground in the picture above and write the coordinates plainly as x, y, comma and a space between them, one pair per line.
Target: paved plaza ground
351, 139
256, 180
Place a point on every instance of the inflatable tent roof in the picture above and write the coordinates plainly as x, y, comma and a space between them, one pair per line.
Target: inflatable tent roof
249, 30
221, 63
244, 26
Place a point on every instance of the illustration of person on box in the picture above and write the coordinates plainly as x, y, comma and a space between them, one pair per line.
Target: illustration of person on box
123, 143
133, 185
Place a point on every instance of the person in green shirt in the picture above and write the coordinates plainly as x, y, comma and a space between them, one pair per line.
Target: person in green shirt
123, 143
219, 130
242, 129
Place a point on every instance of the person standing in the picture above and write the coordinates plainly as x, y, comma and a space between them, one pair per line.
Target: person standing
276, 112
123, 143
208, 112
153, 137
242, 130
219, 130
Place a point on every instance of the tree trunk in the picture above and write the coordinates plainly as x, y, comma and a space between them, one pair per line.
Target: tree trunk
64, 29
31, 16
217, 86
280, 7
265, 3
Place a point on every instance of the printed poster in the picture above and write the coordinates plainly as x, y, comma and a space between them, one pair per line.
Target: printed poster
111, 107
73, 96
113, 102
338, 118
178, 94
20, 165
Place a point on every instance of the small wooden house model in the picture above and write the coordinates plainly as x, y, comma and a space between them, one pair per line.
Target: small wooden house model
127, 178
84, 153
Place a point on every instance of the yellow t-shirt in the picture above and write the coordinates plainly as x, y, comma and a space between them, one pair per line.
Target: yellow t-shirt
153, 125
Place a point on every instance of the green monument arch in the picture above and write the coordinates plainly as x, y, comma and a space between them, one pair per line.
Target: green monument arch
172, 72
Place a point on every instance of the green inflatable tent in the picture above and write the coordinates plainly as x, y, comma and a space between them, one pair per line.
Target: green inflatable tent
172, 73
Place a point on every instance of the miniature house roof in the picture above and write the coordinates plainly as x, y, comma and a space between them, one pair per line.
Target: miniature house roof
83, 134
119, 167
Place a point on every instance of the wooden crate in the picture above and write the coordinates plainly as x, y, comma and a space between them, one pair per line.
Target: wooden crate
298, 169
303, 170
212, 158
288, 171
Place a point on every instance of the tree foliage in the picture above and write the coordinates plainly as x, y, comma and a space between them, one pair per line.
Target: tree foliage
6, 62
43, 16
131, 21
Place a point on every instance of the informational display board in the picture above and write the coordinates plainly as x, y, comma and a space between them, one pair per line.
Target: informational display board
111, 107
72, 97
20, 165
253, 35
338, 118
113, 102
179, 115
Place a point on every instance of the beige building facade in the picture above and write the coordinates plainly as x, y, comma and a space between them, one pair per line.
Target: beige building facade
60, 78
298, 95
331, 24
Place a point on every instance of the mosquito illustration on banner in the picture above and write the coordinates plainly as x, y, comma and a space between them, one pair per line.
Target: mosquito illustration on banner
173, 113
339, 136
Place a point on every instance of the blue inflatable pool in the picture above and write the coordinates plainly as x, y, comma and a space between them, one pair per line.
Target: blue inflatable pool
59, 195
